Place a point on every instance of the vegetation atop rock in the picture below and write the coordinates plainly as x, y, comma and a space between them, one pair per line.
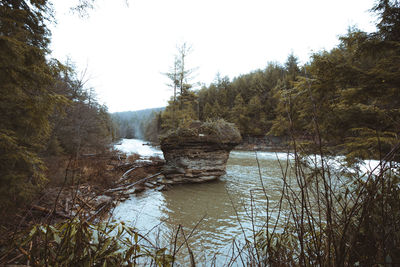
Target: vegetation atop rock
214, 131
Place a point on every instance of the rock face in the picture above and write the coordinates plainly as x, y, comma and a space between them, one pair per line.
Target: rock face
199, 152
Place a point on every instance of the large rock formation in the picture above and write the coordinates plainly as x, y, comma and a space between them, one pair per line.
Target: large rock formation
198, 153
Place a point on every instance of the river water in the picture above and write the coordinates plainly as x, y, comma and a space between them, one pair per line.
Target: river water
228, 209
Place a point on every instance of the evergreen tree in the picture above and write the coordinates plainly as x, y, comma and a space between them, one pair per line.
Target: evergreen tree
389, 19
184, 107
44, 109
256, 116
181, 112
287, 98
26, 99
207, 112
239, 115
349, 99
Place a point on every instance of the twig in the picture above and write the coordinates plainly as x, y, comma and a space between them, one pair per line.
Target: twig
126, 187
194, 228
192, 262
49, 211
84, 202
175, 240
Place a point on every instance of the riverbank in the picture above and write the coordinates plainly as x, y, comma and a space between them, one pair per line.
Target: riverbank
86, 189
97, 184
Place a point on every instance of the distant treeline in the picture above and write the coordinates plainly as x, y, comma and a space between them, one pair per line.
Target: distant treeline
135, 124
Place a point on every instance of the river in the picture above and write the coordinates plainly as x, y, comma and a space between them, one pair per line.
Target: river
224, 206
214, 203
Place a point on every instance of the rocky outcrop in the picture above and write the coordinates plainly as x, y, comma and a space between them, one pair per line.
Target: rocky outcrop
199, 152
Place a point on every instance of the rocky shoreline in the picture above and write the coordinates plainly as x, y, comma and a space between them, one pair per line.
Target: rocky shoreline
93, 200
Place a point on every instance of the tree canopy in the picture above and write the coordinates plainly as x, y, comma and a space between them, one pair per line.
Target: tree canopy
348, 96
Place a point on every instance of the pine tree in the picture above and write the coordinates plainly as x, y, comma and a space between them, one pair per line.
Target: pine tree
256, 114
239, 115
389, 23
208, 112
26, 98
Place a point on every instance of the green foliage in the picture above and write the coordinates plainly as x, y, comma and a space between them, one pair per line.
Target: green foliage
389, 23
238, 114
246, 101
26, 100
364, 140
79, 243
44, 108
348, 98
377, 236
181, 112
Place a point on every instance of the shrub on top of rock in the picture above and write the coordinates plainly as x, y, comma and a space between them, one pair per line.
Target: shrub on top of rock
217, 131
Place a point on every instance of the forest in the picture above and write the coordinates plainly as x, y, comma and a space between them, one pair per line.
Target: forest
345, 101
46, 110
356, 83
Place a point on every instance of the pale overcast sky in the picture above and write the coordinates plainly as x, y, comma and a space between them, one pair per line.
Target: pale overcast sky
126, 48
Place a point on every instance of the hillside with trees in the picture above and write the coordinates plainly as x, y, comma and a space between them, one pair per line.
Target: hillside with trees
350, 95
